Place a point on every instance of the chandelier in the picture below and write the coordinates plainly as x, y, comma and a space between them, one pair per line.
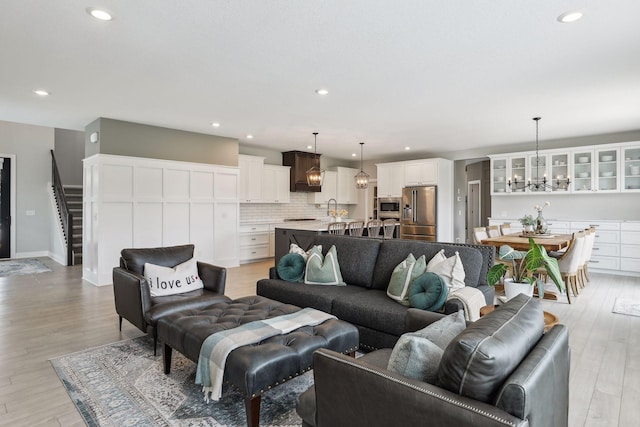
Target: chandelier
315, 175
538, 184
362, 178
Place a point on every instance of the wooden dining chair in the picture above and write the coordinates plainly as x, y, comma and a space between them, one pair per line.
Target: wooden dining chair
388, 228
493, 231
355, 228
479, 234
373, 227
505, 228
337, 227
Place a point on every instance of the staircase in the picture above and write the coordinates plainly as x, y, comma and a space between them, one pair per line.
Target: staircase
73, 194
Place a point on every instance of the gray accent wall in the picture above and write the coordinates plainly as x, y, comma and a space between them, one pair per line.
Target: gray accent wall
122, 138
32, 147
69, 150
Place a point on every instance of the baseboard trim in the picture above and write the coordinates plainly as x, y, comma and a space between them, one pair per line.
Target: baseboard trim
35, 254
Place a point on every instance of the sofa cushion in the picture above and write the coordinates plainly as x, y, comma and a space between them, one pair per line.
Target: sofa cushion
451, 270
170, 256
479, 360
393, 251
318, 297
164, 281
291, 267
428, 292
323, 270
295, 249
403, 276
417, 354
372, 308
357, 257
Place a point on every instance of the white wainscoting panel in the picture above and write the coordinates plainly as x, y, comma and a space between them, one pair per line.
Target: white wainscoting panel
176, 184
147, 224
201, 230
226, 235
202, 185
148, 183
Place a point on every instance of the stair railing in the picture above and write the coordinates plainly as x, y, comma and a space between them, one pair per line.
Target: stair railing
65, 215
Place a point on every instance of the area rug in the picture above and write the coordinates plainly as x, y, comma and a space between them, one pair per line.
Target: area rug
627, 306
17, 267
123, 384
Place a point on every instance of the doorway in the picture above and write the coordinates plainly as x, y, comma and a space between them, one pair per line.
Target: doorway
474, 208
7, 205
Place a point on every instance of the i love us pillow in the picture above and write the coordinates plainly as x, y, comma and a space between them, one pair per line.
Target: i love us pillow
165, 281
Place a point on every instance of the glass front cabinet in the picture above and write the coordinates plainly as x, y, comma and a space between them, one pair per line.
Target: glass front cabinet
630, 168
582, 174
499, 176
606, 172
559, 176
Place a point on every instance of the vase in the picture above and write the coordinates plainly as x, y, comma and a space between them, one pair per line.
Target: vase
541, 224
528, 228
511, 288
338, 219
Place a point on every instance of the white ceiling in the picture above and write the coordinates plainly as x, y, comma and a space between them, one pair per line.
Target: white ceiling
434, 75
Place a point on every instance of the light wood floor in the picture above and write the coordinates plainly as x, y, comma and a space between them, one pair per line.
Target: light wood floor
50, 314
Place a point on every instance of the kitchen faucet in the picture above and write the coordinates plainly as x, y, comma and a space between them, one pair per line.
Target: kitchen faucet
328, 208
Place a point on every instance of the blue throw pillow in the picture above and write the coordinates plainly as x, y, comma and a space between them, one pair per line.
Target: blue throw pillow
428, 292
291, 267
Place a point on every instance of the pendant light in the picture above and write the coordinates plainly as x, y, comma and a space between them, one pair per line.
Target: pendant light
362, 178
315, 175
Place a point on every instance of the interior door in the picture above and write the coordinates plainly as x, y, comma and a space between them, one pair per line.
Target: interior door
473, 208
5, 207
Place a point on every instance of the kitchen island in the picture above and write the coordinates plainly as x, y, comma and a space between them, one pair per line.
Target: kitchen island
302, 233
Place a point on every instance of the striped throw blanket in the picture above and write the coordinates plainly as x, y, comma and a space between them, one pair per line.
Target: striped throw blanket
216, 348
472, 301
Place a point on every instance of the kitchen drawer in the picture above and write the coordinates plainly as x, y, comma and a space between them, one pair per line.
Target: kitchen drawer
254, 228
630, 237
606, 249
565, 226
629, 264
604, 263
254, 252
630, 226
607, 236
581, 225
630, 251
252, 239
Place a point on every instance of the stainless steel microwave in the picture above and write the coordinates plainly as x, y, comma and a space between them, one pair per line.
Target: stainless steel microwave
389, 207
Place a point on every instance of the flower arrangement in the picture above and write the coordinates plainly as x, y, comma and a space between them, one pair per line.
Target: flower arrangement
339, 214
540, 208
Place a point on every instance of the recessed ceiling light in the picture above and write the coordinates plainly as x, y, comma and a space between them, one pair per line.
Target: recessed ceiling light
353, 154
407, 148
41, 92
215, 124
568, 17
322, 91
309, 147
249, 136
100, 14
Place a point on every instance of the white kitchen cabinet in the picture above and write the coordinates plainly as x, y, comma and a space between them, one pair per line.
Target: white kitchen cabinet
518, 173
537, 172
582, 170
346, 191
630, 246
250, 178
254, 242
329, 189
391, 178
606, 247
630, 168
559, 175
499, 175
423, 172
275, 184
606, 169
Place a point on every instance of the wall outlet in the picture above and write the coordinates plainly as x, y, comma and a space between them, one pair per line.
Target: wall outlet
31, 213
458, 240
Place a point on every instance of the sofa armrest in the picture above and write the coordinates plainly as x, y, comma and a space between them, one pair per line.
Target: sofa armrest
416, 319
398, 400
131, 296
213, 277
453, 306
273, 273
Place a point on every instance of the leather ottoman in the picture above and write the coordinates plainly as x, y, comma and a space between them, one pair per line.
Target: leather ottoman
254, 369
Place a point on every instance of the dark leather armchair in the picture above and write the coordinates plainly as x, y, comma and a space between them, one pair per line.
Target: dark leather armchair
131, 291
530, 379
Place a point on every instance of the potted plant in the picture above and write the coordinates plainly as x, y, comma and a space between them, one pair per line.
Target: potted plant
527, 222
524, 267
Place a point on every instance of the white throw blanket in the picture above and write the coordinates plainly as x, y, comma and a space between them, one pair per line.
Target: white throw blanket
216, 348
472, 301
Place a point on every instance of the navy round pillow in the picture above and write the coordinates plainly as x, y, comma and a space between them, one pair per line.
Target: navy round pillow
291, 267
428, 292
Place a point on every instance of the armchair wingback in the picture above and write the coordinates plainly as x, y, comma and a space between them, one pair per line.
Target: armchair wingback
133, 299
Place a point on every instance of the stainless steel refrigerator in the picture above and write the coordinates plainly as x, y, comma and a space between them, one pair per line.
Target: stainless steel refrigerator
418, 221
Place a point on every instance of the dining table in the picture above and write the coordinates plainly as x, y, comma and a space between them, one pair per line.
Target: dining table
518, 241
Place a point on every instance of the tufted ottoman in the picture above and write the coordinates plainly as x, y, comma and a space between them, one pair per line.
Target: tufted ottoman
254, 369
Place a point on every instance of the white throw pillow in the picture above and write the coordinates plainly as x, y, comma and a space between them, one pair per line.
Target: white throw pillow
165, 281
451, 270
295, 249
439, 257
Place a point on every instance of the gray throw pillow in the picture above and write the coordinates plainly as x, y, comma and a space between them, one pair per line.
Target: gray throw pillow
417, 354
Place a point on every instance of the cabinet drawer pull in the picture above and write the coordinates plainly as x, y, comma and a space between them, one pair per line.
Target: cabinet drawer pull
596, 249
593, 262
253, 238
594, 225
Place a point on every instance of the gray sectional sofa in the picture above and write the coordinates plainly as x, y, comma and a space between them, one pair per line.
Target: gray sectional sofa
366, 266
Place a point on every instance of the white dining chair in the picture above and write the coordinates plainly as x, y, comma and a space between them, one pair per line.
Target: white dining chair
354, 228
570, 263
493, 231
479, 234
337, 227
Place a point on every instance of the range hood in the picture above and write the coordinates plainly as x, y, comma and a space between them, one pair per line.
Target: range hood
300, 162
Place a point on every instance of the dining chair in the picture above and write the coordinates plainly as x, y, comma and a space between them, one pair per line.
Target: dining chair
355, 228
493, 231
389, 227
590, 238
570, 262
479, 234
373, 227
505, 228
337, 227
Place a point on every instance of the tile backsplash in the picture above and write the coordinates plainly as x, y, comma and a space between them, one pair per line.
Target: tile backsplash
297, 208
